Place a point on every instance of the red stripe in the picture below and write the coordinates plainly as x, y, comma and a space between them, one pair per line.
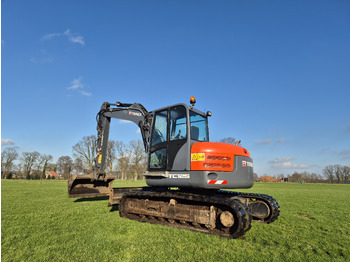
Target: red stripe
211, 182
224, 182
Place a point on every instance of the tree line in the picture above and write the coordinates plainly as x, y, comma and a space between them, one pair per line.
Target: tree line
330, 174
124, 161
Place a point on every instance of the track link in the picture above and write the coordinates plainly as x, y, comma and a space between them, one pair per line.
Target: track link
206, 213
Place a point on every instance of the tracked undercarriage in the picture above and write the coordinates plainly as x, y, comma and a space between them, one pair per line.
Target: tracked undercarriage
224, 213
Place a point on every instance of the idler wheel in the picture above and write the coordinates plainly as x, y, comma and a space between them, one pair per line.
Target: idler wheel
227, 219
259, 209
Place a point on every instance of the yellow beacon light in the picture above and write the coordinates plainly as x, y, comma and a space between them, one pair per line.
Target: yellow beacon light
192, 101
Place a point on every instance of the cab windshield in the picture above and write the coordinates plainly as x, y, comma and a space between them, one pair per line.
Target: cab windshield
199, 127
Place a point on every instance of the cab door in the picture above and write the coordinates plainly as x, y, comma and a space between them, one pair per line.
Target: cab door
159, 142
169, 135
178, 135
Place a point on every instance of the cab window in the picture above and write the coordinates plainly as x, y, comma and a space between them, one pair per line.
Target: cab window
160, 130
178, 123
158, 159
199, 127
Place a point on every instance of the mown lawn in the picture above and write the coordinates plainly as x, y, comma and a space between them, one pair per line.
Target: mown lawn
40, 223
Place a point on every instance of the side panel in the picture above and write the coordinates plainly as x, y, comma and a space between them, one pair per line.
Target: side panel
181, 160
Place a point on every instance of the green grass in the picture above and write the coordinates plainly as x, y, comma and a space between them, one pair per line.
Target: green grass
40, 223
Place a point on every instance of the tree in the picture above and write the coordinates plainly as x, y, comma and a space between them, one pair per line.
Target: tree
228, 140
328, 171
78, 166
8, 156
346, 172
28, 160
256, 177
138, 157
51, 167
110, 158
43, 161
296, 177
85, 150
338, 170
64, 166
123, 158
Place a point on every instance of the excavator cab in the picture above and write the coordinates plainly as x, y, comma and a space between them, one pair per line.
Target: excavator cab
174, 130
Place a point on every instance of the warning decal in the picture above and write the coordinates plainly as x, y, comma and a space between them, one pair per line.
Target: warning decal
198, 157
217, 182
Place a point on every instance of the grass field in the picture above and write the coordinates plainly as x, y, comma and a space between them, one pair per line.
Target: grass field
40, 223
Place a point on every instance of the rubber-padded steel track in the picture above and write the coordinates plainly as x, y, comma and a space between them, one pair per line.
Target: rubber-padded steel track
207, 213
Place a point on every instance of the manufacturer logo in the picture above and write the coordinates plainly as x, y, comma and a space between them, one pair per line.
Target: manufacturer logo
134, 113
246, 163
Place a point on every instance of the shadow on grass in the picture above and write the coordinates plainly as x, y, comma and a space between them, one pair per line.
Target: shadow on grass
114, 208
87, 199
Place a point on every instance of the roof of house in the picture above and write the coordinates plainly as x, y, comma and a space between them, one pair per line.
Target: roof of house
52, 173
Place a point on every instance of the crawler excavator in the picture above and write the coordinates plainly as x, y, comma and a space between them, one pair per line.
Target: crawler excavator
186, 174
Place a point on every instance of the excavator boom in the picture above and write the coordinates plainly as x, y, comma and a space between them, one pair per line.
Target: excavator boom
97, 183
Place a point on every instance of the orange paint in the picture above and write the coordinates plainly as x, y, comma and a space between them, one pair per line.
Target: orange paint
218, 156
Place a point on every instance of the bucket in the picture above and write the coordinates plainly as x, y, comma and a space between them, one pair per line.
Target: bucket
87, 186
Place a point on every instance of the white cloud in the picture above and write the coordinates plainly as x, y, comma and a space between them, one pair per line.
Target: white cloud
345, 154
77, 85
41, 58
7, 142
270, 141
286, 162
281, 160
281, 140
263, 142
50, 36
72, 37
124, 121
84, 93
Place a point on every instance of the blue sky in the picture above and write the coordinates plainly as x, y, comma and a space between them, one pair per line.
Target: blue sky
275, 74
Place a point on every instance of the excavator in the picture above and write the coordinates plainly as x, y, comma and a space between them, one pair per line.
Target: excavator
187, 176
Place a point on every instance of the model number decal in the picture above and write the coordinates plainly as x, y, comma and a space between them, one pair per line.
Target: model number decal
198, 157
179, 175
